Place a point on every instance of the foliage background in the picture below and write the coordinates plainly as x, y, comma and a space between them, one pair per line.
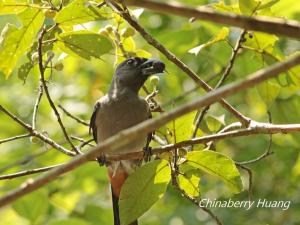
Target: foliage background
83, 196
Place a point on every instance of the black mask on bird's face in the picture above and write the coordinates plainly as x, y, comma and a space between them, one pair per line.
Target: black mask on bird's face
133, 72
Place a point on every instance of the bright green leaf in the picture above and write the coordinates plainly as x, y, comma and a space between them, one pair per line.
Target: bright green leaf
32, 206
221, 36
183, 127
268, 4
188, 181
142, 189
221, 6
12, 7
248, 7
261, 41
218, 165
15, 42
80, 11
214, 123
84, 44
268, 92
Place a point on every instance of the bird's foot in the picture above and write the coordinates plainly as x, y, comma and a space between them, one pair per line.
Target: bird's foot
102, 160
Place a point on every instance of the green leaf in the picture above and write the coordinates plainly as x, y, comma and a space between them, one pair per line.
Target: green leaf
12, 7
80, 11
15, 42
222, 7
268, 4
218, 165
189, 182
221, 36
32, 206
214, 123
24, 70
183, 127
268, 92
85, 44
261, 41
142, 189
69, 221
248, 7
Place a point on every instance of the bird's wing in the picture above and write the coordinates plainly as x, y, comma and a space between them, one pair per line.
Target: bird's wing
93, 127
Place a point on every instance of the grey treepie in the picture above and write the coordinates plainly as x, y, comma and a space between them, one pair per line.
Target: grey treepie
121, 108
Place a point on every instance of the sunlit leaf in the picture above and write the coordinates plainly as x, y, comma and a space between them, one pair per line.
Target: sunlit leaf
183, 127
248, 7
268, 4
221, 36
142, 189
268, 92
218, 165
13, 7
261, 41
84, 44
214, 123
221, 6
14, 42
188, 181
80, 11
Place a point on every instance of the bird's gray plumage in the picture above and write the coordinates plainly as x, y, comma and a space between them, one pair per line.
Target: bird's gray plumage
122, 108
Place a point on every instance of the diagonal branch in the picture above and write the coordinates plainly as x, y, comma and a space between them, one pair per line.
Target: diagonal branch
272, 25
28, 172
72, 116
125, 137
14, 138
35, 133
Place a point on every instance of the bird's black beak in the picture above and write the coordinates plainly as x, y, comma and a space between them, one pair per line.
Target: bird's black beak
152, 66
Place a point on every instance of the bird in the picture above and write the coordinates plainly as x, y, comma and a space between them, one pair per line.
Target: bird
122, 107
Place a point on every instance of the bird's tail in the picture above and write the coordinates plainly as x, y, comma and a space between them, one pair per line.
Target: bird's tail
117, 180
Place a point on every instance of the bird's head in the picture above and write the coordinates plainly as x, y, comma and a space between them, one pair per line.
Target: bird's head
133, 72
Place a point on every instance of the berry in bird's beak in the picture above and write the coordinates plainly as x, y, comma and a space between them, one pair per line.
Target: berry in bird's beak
152, 66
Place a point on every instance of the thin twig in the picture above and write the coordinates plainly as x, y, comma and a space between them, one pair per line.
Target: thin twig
72, 116
28, 172
125, 137
36, 105
42, 74
14, 138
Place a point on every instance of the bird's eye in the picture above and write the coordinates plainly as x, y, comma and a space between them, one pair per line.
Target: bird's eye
130, 62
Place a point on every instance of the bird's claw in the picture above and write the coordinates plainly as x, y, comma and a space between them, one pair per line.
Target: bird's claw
102, 160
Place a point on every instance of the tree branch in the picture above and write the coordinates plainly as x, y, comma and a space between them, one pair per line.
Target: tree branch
28, 172
42, 74
36, 133
125, 137
14, 138
272, 25
72, 116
